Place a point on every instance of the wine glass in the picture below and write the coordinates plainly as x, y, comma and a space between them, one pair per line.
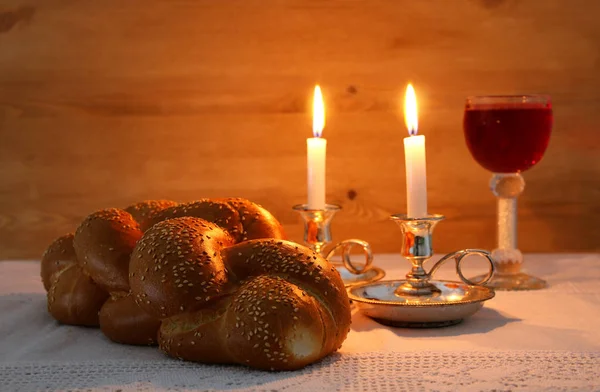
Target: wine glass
508, 135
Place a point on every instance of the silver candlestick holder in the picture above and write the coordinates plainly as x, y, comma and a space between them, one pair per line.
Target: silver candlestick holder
418, 300
317, 236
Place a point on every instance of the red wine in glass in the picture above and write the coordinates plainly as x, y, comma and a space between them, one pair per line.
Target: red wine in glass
507, 135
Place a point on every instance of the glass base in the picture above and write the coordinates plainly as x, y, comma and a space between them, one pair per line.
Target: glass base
518, 281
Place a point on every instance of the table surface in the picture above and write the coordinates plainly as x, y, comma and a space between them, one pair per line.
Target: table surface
532, 340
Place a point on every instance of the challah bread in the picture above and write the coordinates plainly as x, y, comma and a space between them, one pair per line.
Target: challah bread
266, 303
88, 283
144, 211
256, 221
59, 255
73, 298
241, 218
103, 243
200, 279
175, 267
123, 321
86, 274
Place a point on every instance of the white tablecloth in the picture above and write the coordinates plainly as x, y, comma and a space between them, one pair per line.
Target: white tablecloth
536, 340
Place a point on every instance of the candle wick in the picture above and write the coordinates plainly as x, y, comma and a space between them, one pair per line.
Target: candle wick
412, 132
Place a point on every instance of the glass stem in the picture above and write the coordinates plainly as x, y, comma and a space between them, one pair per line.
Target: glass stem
507, 223
507, 187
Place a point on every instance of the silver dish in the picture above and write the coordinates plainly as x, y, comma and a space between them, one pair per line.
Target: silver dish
350, 279
449, 304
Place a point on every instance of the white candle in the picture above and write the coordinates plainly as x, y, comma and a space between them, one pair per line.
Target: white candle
414, 152
316, 148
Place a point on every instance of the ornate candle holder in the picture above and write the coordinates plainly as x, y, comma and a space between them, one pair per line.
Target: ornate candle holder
317, 236
418, 301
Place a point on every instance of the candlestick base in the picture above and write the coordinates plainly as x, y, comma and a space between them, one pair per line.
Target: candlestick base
317, 236
448, 304
516, 281
419, 301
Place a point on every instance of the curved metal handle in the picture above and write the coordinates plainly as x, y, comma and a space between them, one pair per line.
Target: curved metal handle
346, 246
458, 257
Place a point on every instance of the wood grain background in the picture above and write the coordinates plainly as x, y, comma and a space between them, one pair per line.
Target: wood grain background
104, 103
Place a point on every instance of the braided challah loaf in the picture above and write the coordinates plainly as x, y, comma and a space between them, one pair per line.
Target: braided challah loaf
209, 281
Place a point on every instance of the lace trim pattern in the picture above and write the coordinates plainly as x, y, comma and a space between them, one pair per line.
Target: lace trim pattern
390, 371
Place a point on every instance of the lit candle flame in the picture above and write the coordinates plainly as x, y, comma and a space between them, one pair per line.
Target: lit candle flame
318, 113
410, 110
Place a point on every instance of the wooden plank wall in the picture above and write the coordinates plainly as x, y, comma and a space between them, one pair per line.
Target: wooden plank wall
103, 103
